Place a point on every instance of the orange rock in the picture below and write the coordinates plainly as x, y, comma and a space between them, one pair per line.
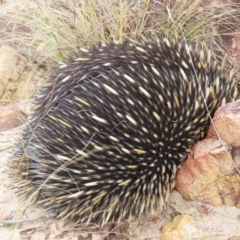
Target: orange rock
178, 227
227, 124
211, 172
11, 116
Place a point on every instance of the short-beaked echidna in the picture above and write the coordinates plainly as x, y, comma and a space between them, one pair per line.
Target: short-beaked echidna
112, 126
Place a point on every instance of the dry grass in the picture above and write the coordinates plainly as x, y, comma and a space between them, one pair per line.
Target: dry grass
54, 29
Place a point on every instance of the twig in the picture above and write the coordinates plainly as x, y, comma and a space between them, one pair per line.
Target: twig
18, 221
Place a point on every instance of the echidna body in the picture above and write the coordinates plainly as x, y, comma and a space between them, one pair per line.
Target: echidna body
112, 126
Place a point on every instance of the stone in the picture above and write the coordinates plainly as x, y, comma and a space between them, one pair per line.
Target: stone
211, 174
11, 117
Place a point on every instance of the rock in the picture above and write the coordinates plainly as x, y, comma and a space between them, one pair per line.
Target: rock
211, 172
226, 124
236, 238
181, 228
18, 78
10, 117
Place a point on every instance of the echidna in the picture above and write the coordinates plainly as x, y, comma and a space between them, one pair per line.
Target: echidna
113, 125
